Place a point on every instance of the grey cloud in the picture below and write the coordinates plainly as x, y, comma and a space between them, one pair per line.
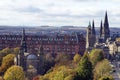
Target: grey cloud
30, 9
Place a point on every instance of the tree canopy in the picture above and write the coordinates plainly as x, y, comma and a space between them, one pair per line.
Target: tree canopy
76, 58
7, 62
14, 73
84, 71
96, 55
102, 68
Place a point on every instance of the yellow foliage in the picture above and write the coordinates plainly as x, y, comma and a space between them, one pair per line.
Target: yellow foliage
59, 73
14, 73
77, 58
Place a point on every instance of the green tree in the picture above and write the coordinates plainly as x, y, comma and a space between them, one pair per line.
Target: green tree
84, 71
14, 73
7, 62
96, 55
102, 68
76, 58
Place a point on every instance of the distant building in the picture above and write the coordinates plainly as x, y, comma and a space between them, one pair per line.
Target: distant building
55, 44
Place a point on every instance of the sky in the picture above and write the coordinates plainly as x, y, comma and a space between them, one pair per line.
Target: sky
58, 12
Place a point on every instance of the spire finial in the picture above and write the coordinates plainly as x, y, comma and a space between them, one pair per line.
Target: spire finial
89, 24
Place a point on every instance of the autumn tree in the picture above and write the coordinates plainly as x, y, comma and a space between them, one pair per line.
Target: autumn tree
3, 53
96, 55
108, 77
84, 71
7, 62
102, 68
63, 59
76, 58
16, 50
14, 73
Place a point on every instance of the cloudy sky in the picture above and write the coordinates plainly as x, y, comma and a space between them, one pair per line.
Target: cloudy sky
58, 12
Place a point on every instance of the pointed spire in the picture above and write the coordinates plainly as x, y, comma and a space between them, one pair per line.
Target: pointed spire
23, 41
89, 26
93, 28
106, 29
23, 34
101, 28
106, 18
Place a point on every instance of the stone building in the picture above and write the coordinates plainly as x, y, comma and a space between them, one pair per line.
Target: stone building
55, 44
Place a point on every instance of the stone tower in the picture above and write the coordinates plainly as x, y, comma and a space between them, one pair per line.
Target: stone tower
23, 48
88, 36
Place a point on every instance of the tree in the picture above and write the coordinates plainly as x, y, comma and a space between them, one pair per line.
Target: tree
63, 59
7, 50
84, 71
108, 77
16, 50
96, 55
102, 68
76, 58
49, 62
7, 62
14, 73
3, 53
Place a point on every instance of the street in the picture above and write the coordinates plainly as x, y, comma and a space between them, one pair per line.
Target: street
116, 72
116, 75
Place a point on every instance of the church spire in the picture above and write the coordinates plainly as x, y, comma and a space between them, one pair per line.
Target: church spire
106, 18
89, 26
106, 30
101, 28
93, 28
23, 41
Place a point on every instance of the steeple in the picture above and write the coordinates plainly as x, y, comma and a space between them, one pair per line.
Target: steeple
93, 28
101, 28
89, 28
106, 20
106, 30
23, 49
23, 42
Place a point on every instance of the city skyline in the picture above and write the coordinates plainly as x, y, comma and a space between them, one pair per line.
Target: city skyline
58, 13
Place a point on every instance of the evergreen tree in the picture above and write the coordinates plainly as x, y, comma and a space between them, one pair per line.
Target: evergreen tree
84, 71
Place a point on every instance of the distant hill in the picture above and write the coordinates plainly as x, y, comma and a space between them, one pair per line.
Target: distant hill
47, 29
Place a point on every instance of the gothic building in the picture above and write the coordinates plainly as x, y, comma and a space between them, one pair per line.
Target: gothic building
27, 60
104, 33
